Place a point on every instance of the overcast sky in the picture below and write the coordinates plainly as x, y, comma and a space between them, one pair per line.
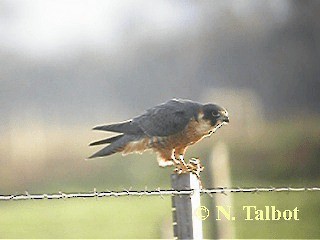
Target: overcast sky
50, 26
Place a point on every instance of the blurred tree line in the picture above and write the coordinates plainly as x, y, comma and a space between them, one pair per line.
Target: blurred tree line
269, 47
276, 56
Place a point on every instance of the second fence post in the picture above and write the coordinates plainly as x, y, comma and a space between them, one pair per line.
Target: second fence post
187, 223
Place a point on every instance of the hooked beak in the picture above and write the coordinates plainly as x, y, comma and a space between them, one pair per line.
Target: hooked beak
225, 119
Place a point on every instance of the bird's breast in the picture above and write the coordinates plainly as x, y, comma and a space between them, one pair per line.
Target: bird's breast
194, 132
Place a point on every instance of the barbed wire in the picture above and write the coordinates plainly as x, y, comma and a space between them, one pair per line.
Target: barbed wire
157, 192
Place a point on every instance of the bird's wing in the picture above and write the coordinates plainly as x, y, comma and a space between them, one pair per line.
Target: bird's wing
168, 118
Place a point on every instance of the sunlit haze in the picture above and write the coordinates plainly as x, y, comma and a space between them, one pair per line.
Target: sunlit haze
49, 27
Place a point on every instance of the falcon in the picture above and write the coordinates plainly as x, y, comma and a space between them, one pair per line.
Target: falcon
168, 129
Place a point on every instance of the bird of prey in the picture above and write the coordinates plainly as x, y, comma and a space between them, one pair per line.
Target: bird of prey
167, 129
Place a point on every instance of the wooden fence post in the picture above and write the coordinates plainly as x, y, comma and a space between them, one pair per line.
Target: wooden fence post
187, 224
220, 169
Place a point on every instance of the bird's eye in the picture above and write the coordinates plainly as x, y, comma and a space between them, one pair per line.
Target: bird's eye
215, 114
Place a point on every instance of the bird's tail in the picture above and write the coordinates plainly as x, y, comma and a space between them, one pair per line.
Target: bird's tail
118, 143
127, 127
107, 140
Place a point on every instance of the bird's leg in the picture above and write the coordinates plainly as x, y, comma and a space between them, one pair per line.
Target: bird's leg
182, 160
181, 166
194, 166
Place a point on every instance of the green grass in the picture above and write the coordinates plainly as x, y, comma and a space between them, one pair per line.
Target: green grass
144, 217
306, 227
85, 218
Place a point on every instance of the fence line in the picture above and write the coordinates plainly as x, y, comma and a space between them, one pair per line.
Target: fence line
157, 192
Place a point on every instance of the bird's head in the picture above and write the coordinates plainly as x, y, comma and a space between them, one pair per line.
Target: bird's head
217, 115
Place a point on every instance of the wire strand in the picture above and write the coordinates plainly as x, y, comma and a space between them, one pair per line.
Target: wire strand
157, 192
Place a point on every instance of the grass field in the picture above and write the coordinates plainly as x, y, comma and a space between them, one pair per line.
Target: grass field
280, 155
89, 218
150, 217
